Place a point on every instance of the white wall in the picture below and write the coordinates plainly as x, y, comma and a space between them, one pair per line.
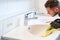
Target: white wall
41, 6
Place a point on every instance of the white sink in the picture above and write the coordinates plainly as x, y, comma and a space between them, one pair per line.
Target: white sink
38, 30
38, 26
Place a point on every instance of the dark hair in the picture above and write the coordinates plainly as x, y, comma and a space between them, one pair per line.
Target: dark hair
51, 3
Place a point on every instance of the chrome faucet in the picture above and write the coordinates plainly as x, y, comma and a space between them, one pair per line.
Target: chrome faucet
32, 15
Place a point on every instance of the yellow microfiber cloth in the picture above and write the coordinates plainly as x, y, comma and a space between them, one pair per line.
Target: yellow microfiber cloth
49, 31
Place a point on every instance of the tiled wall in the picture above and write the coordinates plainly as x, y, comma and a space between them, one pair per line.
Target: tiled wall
9, 24
13, 7
10, 8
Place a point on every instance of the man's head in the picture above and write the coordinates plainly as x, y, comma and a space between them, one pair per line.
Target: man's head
52, 7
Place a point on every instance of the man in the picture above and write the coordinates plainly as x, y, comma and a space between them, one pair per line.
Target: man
53, 8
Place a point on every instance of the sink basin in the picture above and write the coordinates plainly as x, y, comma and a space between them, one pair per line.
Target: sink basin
38, 29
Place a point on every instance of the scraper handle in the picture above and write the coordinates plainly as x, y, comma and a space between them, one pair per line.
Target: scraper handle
55, 24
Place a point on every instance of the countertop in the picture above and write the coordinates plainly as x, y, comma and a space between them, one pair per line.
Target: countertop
26, 35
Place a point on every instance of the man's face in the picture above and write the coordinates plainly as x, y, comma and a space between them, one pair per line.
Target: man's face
52, 11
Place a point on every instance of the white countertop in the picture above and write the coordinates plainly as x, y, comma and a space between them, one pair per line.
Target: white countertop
25, 35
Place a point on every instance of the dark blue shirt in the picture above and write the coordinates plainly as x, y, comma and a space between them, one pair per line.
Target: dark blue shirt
59, 15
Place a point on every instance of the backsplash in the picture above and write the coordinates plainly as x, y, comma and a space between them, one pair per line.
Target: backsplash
8, 24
